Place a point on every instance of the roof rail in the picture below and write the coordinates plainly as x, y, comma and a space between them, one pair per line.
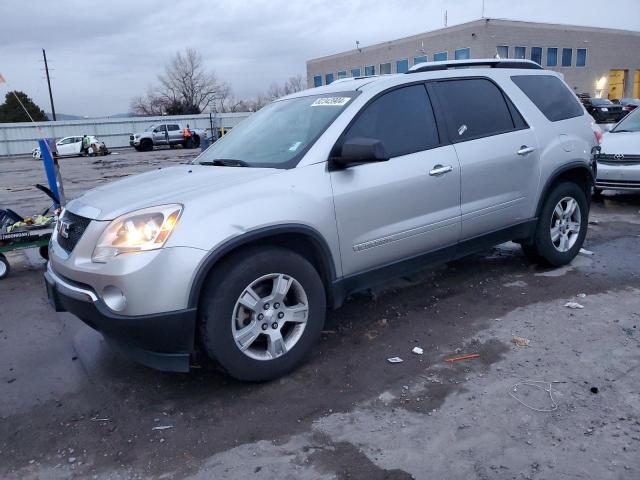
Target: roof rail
481, 62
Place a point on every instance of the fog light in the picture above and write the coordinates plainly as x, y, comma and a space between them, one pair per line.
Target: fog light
114, 298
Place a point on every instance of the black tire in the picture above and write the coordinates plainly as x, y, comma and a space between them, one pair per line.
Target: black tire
196, 141
541, 249
138, 148
597, 193
221, 292
5, 269
188, 143
146, 145
44, 252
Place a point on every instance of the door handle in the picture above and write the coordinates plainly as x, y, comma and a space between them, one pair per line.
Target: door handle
440, 170
524, 150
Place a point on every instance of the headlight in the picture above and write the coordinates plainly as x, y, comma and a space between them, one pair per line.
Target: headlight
138, 231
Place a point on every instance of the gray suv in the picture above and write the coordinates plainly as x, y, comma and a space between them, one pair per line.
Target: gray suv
326, 192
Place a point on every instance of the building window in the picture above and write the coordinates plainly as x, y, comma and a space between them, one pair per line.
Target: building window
502, 51
317, 81
385, 68
342, 74
552, 57
462, 54
441, 57
369, 70
355, 72
328, 78
402, 65
536, 55
567, 57
581, 57
420, 59
520, 52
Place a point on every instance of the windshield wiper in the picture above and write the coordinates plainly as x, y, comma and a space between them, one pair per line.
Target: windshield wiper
224, 162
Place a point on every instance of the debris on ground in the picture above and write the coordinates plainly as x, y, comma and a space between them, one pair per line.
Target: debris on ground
462, 357
581, 295
520, 341
574, 305
418, 350
162, 427
594, 390
584, 251
96, 419
395, 360
536, 384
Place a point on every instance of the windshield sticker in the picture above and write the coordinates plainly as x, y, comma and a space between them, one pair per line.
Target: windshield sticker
295, 146
330, 101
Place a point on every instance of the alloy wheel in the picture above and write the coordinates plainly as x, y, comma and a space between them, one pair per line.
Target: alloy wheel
565, 224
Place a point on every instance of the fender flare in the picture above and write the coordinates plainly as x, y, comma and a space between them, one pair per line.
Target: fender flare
575, 165
317, 240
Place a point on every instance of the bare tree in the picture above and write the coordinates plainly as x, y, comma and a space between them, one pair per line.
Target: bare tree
185, 87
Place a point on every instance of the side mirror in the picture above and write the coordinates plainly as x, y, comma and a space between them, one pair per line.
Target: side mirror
360, 150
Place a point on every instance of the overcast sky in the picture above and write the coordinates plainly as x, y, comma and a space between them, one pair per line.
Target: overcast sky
104, 53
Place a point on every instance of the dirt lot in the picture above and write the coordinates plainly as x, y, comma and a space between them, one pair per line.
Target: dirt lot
71, 407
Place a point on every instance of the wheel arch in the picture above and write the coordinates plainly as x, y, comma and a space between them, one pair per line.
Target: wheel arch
577, 172
302, 239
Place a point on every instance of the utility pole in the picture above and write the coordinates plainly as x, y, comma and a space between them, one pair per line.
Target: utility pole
46, 68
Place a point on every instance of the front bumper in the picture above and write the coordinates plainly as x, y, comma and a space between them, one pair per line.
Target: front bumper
164, 341
618, 177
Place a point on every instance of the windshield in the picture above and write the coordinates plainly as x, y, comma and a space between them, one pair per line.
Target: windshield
279, 134
630, 123
601, 101
150, 127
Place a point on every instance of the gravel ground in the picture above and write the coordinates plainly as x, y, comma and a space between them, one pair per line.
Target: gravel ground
72, 408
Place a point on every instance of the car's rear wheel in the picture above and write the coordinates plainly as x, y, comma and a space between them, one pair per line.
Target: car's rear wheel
562, 226
261, 313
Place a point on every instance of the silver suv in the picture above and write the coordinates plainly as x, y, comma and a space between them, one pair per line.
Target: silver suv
320, 194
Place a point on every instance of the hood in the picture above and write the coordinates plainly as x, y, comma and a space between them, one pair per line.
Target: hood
176, 184
627, 143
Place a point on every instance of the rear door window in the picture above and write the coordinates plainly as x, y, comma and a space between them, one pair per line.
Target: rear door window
474, 108
402, 119
172, 128
550, 95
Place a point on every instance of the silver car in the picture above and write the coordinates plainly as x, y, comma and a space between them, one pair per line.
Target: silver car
326, 192
619, 159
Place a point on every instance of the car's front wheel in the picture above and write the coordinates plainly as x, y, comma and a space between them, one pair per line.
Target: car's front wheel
562, 226
261, 313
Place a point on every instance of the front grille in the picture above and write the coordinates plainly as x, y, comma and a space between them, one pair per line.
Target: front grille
618, 159
614, 184
74, 226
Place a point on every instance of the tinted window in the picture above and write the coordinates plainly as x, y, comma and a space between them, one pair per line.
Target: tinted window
474, 108
355, 72
536, 55
402, 65
342, 74
370, 70
520, 52
328, 78
550, 95
581, 57
552, 57
462, 54
419, 59
385, 68
440, 56
173, 128
502, 51
567, 57
402, 119
317, 80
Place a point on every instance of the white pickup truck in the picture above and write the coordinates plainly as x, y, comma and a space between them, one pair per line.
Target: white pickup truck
165, 134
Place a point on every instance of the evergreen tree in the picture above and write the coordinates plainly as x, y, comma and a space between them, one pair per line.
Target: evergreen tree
11, 111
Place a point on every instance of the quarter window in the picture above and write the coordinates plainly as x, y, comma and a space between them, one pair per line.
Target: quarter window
385, 68
550, 95
581, 57
462, 54
536, 55
474, 108
402, 119
520, 53
502, 51
402, 65
552, 57
420, 59
317, 81
567, 57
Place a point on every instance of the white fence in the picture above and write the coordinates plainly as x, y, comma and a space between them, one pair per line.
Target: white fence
22, 138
